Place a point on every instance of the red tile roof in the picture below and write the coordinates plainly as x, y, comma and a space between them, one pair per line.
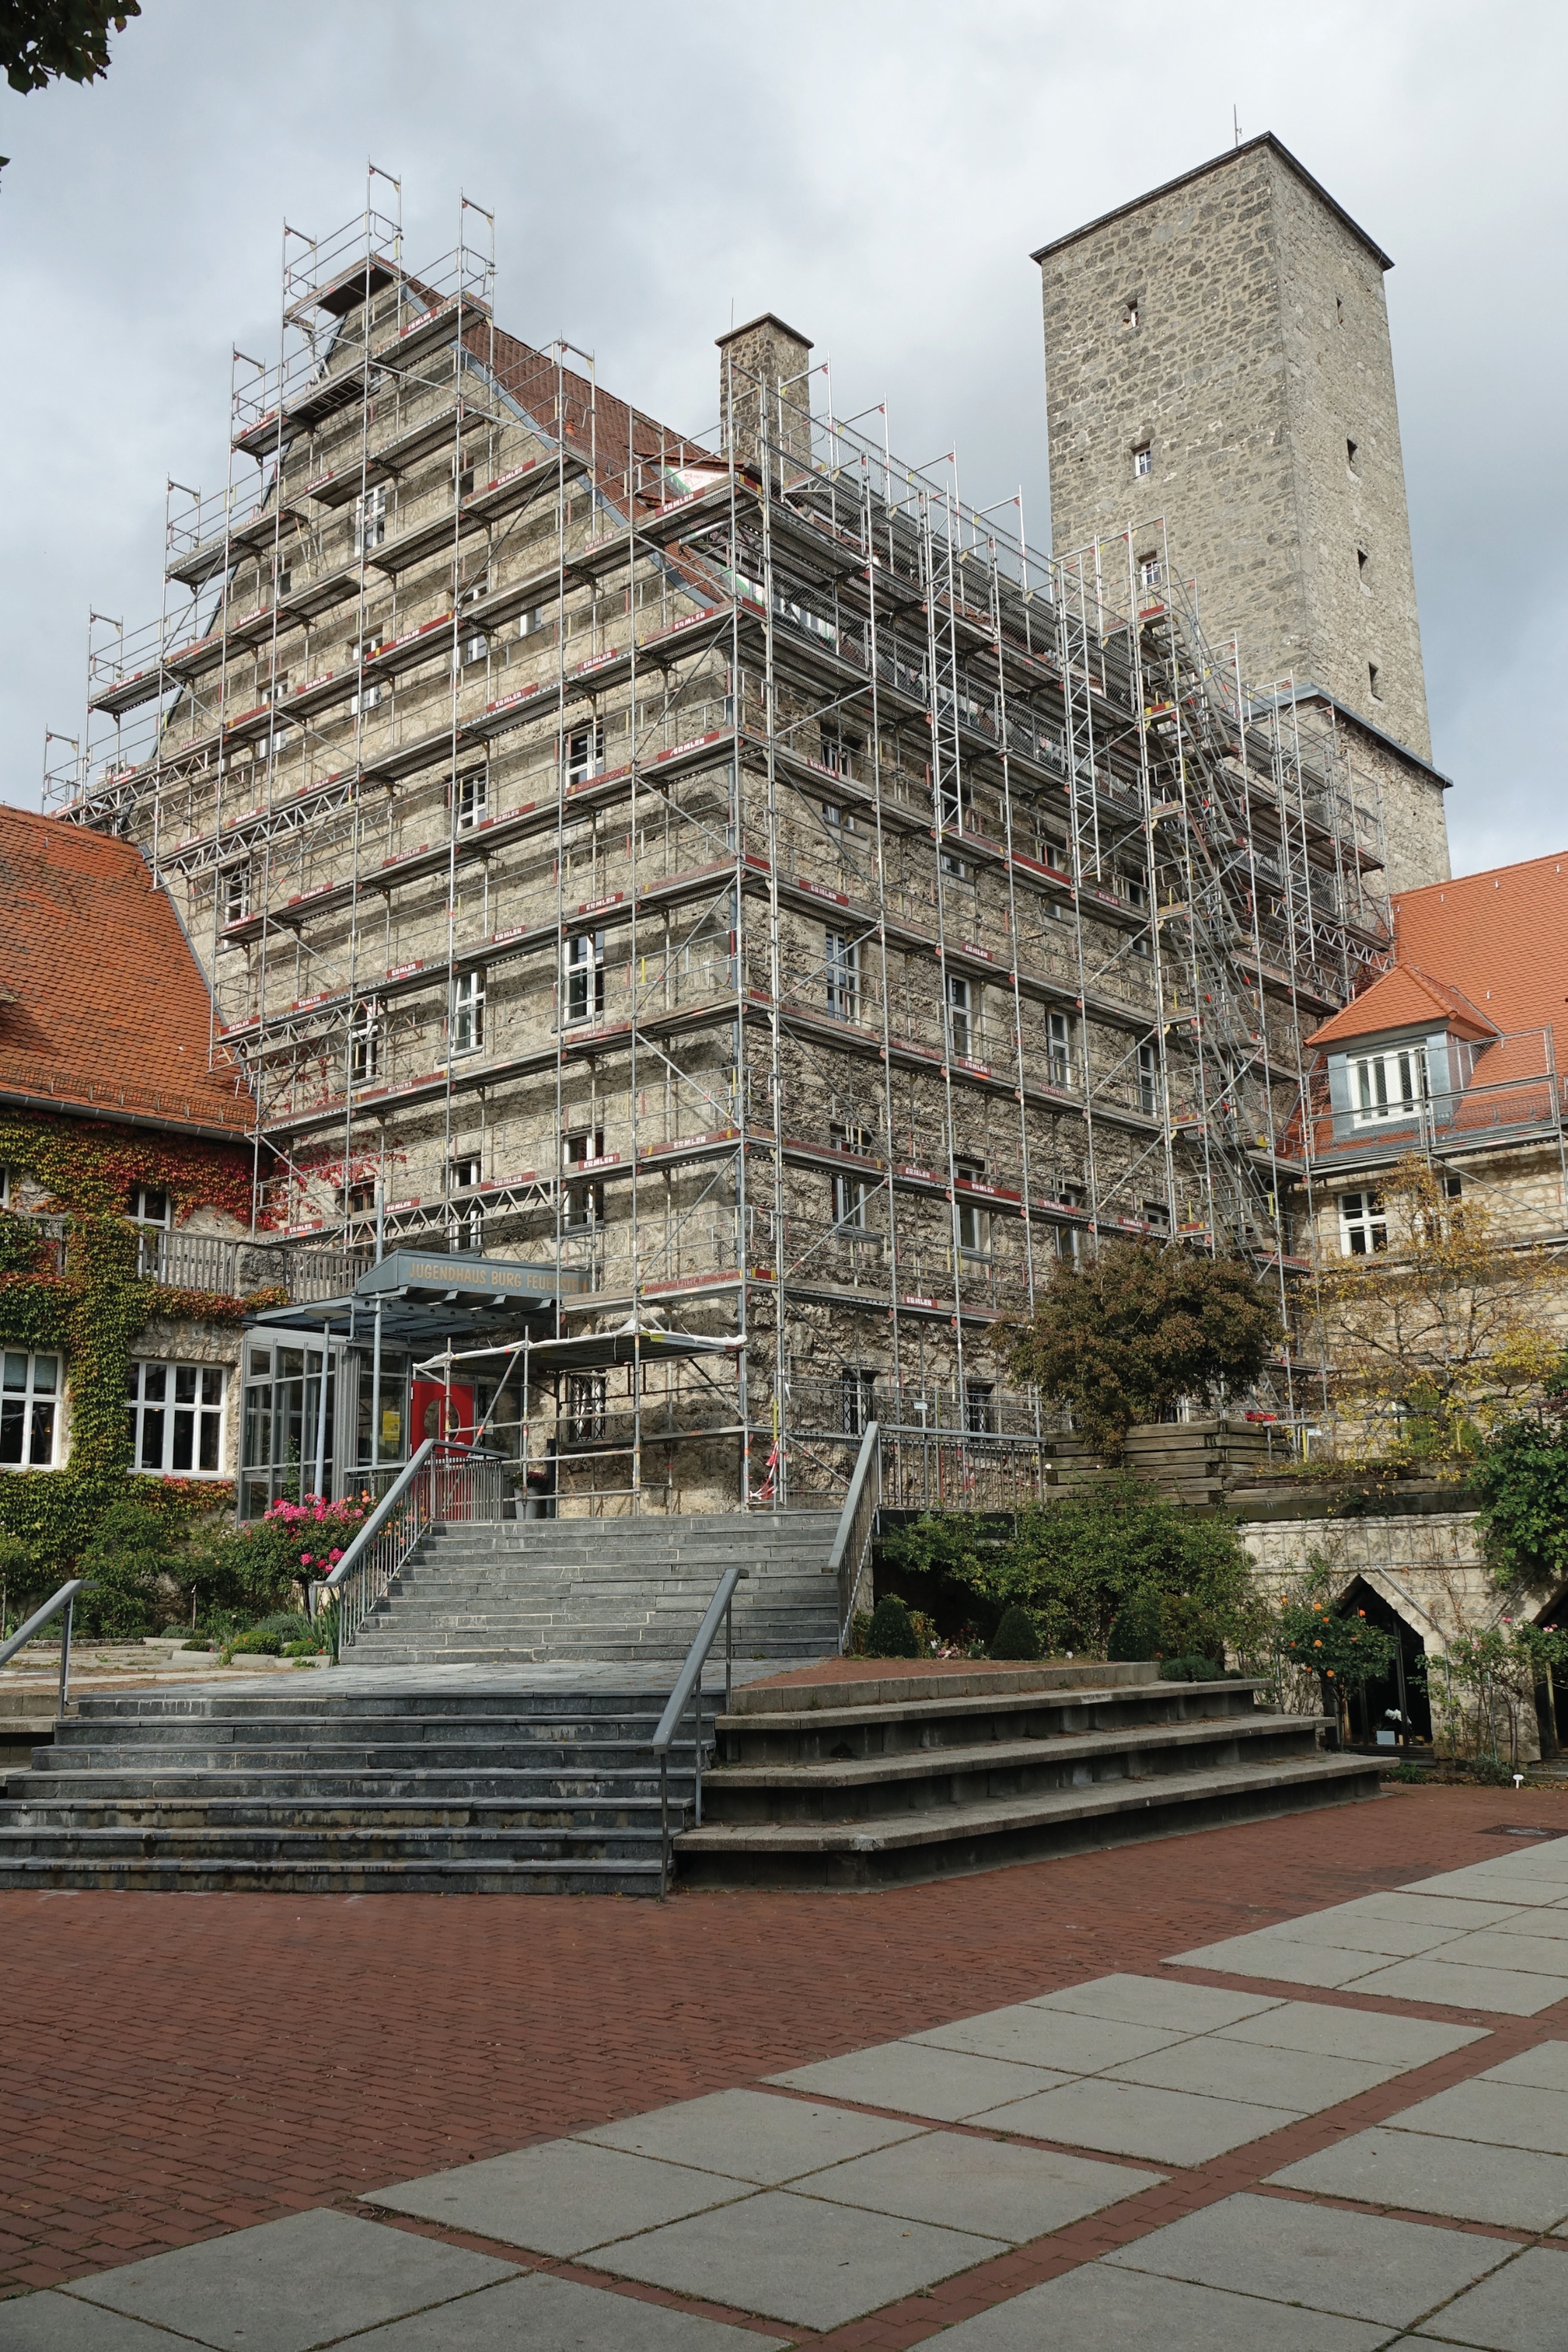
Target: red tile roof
1404, 999
102, 1003
1490, 950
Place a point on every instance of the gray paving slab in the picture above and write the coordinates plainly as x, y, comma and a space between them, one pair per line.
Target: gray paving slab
1062, 2041
797, 2259
1099, 2308
1513, 1993
1399, 2042
1133, 2119
1513, 1947
1512, 1884
1396, 1940
539, 2314
58, 2323
289, 2285
1515, 2189
1157, 2002
1459, 1911
1544, 2068
1499, 2115
755, 2135
1305, 2081
1271, 1952
948, 2086
995, 2188
1520, 2309
1551, 1921
1545, 1859
561, 2198
1361, 2265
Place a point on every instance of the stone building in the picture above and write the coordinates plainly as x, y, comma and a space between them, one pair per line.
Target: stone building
1220, 388
715, 876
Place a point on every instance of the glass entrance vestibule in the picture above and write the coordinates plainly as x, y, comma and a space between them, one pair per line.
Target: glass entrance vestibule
339, 1409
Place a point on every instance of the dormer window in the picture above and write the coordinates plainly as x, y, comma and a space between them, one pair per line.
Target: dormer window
1386, 1086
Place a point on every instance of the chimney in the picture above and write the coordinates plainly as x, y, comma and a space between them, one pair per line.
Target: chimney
764, 400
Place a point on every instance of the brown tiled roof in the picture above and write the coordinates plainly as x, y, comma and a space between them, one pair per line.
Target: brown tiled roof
102, 1004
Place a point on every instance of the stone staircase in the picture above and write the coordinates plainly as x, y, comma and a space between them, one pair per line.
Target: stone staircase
632, 1590
831, 1785
349, 1790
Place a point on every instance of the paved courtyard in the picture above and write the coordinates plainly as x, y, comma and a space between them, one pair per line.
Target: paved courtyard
1300, 2086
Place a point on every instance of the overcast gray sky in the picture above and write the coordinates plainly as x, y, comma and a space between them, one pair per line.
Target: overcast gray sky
876, 173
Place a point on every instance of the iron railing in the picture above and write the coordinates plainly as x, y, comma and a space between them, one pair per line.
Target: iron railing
687, 1692
64, 1599
442, 1482
851, 1553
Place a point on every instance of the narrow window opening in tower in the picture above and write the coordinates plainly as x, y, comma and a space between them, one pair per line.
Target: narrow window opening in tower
1339, 310
1129, 312
1374, 681
1350, 449
1142, 460
1360, 565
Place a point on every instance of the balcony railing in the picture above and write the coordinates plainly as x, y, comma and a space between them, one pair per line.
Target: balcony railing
231, 1268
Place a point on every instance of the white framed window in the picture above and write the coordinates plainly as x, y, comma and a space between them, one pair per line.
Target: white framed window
584, 957
473, 799
467, 1215
840, 818
469, 1012
1364, 1224
151, 1212
1150, 571
366, 698
1148, 1080
1142, 461
531, 621
961, 1021
841, 965
370, 518
974, 1222
29, 1410
1059, 1048
585, 753
5, 1187
1387, 1086
472, 647
365, 1041
235, 888
584, 1202
177, 1419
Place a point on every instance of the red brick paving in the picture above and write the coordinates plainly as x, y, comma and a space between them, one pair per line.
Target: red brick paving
174, 2066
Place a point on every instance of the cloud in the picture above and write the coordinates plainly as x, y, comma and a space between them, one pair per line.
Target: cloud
878, 174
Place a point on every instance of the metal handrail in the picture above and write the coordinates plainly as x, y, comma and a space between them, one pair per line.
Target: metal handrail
856, 1526
381, 1545
688, 1681
64, 1599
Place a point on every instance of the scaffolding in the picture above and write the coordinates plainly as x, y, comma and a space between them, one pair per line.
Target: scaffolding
723, 863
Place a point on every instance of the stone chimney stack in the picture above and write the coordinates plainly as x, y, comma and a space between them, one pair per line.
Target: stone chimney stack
763, 367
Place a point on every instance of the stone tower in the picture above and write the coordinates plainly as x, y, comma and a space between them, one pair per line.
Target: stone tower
1217, 356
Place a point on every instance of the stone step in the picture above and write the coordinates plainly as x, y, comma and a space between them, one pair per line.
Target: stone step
221, 1873
327, 1832
955, 1840
824, 1736
352, 1756
936, 1779
445, 1790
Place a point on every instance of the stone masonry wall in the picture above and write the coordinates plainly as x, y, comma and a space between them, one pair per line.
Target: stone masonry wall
1236, 328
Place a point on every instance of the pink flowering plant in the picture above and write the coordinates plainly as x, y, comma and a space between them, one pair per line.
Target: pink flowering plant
263, 1567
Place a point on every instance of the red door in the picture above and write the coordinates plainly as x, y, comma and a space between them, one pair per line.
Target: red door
427, 1400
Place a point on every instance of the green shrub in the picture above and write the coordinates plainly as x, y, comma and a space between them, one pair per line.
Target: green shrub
1015, 1636
285, 1634
891, 1634
1079, 1562
1189, 1670
1135, 1630
125, 1559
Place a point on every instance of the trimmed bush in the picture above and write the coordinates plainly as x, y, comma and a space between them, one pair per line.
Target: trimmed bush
891, 1634
1015, 1636
1136, 1628
1191, 1670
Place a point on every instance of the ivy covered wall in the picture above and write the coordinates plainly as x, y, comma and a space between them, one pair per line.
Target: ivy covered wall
94, 1309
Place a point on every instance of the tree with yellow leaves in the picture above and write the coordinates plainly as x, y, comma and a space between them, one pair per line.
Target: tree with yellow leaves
1444, 1331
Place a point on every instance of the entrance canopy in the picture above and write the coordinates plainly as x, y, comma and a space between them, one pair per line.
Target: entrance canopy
425, 1296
